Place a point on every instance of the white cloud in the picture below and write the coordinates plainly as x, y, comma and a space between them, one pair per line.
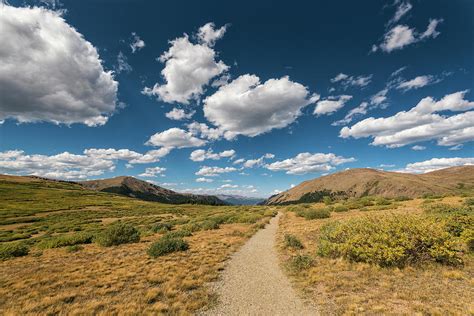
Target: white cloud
130, 156
417, 82
204, 180
418, 147
52, 74
402, 9
359, 110
208, 34
238, 161
179, 114
213, 171
175, 138
331, 104
228, 186
201, 154
257, 162
436, 164
401, 35
188, 68
137, 43
247, 107
306, 163
347, 81
153, 172
421, 123
122, 64
204, 131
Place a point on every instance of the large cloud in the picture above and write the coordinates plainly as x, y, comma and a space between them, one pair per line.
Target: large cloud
247, 107
421, 123
307, 163
436, 164
49, 72
188, 67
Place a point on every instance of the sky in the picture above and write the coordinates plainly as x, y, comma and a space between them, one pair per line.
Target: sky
247, 98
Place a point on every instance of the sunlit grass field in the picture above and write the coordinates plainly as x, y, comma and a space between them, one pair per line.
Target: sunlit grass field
59, 265
370, 273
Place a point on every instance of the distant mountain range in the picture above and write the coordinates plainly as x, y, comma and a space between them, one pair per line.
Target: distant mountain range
365, 182
240, 200
143, 190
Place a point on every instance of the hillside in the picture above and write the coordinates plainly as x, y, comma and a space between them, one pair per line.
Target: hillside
143, 190
363, 182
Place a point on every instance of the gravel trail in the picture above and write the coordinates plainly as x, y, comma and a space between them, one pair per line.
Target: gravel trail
253, 282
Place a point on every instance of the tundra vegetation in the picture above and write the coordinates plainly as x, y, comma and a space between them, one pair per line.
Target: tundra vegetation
375, 255
67, 250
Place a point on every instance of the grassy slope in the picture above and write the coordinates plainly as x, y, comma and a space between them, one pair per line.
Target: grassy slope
341, 287
117, 279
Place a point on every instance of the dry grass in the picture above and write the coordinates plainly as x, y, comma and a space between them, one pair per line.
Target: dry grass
340, 287
120, 279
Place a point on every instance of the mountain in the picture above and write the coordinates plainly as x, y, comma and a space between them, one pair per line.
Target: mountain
364, 182
143, 190
240, 200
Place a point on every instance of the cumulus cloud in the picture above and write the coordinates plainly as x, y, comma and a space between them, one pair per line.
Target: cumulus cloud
306, 163
401, 36
179, 114
436, 164
417, 82
204, 180
201, 154
214, 171
331, 104
204, 131
137, 43
420, 123
359, 110
132, 157
188, 67
52, 74
247, 107
175, 138
153, 172
354, 81
250, 163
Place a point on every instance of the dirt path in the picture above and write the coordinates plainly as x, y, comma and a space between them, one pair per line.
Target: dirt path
254, 284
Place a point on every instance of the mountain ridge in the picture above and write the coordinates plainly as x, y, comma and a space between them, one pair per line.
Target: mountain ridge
366, 181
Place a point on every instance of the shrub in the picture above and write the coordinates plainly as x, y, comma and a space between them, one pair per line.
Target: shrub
340, 208
314, 213
394, 240
178, 234
456, 224
66, 240
468, 237
167, 245
293, 242
117, 234
74, 248
402, 198
327, 200
382, 201
469, 202
209, 224
161, 227
301, 262
10, 250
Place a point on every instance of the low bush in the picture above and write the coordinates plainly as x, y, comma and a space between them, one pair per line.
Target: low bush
402, 198
468, 237
10, 250
66, 240
469, 202
393, 240
167, 245
117, 234
74, 248
178, 234
209, 224
340, 208
293, 242
161, 227
310, 214
301, 262
382, 201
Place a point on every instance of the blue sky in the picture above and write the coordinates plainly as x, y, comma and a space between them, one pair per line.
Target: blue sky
256, 97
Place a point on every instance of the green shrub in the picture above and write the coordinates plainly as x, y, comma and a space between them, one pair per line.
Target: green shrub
327, 200
382, 201
161, 227
468, 237
74, 248
301, 262
178, 234
209, 224
65, 240
402, 198
117, 234
394, 240
167, 245
366, 201
293, 242
340, 208
10, 250
456, 224
469, 202
310, 214
446, 209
